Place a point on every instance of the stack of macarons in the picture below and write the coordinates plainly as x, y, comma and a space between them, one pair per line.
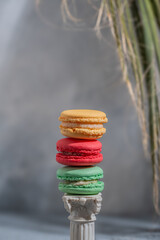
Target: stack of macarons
81, 151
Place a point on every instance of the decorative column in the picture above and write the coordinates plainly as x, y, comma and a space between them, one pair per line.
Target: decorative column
82, 217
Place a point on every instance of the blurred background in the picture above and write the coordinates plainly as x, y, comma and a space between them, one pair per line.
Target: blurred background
47, 67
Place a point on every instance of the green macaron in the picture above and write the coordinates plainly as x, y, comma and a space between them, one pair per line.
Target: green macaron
80, 180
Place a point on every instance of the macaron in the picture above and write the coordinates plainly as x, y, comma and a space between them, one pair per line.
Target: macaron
83, 123
80, 180
78, 152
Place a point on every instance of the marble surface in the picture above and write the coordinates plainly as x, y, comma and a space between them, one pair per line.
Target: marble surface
13, 227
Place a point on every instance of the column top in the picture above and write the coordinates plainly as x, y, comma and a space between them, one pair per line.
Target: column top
82, 208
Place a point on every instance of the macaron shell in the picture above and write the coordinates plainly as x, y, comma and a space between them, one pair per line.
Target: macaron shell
83, 133
80, 173
71, 160
83, 116
89, 189
79, 146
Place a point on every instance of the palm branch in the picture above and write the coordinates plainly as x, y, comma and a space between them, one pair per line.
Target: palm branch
135, 26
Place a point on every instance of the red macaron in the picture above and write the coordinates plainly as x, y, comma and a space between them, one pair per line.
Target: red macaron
79, 152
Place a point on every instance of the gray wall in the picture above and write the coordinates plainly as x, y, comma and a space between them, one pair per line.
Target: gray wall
45, 69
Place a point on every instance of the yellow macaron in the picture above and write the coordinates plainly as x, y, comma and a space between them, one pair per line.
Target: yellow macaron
83, 123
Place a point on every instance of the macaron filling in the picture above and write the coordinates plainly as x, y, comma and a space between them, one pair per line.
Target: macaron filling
79, 154
73, 154
79, 183
80, 125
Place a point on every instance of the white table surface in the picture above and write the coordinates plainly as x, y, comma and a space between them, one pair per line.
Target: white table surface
13, 227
